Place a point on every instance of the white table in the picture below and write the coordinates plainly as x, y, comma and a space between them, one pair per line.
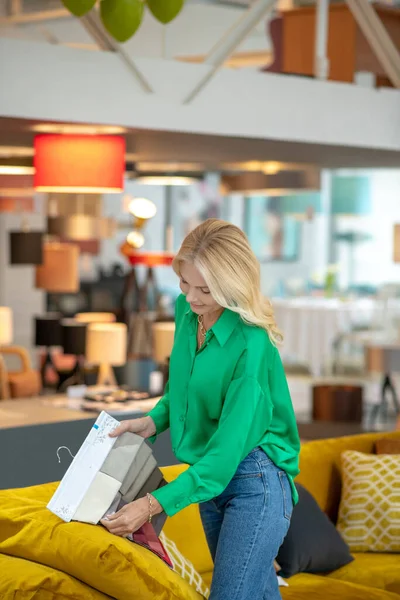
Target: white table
310, 326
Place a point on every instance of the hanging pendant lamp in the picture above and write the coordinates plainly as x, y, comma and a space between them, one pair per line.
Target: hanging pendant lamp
79, 163
26, 247
351, 195
60, 270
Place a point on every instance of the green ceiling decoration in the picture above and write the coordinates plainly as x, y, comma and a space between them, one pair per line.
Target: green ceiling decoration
165, 10
79, 7
122, 18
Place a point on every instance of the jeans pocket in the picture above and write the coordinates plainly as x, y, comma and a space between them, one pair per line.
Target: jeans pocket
246, 476
286, 495
248, 468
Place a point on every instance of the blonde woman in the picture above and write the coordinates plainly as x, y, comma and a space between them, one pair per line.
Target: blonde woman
230, 414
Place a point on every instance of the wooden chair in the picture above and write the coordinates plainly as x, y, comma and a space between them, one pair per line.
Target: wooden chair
22, 383
4, 389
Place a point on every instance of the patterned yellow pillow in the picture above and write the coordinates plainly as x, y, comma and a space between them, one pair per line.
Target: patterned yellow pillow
184, 567
369, 513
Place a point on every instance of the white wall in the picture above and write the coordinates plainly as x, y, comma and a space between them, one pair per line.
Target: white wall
374, 259
42, 81
17, 282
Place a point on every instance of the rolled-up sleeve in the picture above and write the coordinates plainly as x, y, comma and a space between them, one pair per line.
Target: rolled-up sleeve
246, 415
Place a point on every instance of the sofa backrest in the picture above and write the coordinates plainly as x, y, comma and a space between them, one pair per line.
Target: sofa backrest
320, 466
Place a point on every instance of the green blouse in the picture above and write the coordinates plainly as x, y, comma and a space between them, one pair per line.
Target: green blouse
221, 402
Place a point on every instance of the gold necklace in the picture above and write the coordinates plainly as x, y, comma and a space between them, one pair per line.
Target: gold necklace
203, 331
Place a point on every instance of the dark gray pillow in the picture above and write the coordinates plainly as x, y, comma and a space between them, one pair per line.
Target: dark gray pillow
312, 544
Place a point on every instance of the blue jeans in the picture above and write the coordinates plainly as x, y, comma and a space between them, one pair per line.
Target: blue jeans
245, 527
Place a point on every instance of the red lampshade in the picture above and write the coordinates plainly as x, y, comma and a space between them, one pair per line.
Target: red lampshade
149, 259
79, 163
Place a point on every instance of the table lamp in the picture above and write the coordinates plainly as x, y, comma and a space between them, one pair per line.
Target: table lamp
48, 335
6, 335
95, 317
73, 340
163, 341
106, 346
6, 326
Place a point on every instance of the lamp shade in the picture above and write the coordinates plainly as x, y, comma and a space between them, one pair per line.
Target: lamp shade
351, 195
26, 247
298, 204
79, 163
149, 259
95, 317
106, 343
163, 340
74, 227
59, 272
271, 184
81, 227
396, 243
142, 208
6, 325
48, 330
73, 337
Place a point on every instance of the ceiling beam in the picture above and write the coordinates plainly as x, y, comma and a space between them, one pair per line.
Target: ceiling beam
35, 17
96, 30
251, 58
230, 41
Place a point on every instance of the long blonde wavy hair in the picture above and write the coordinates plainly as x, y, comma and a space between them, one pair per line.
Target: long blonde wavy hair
222, 254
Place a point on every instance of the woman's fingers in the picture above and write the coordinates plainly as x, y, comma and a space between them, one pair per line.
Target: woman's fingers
132, 425
122, 428
116, 515
118, 527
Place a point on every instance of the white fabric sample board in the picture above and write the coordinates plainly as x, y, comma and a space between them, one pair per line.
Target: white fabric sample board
84, 468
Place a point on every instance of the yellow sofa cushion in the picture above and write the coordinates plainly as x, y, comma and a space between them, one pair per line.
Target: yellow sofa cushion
25, 580
316, 587
320, 466
372, 569
110, 564
369, 514
184, 567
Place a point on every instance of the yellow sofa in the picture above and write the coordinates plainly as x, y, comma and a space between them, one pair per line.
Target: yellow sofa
42, 558
369, 576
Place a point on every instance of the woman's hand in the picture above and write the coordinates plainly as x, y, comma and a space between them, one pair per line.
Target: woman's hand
131, 517
144, 427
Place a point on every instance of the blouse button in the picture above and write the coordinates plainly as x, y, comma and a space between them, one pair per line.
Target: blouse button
182, 418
